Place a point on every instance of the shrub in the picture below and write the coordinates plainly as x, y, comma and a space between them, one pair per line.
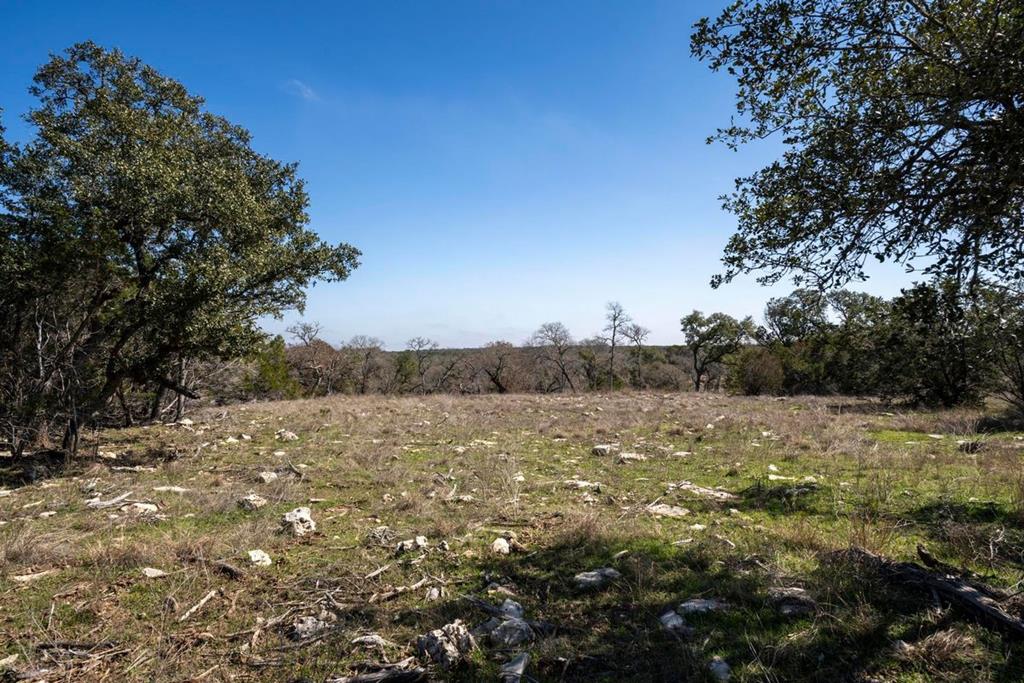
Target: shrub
755, 370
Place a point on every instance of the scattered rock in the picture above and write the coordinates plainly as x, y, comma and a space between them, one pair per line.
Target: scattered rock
792, 601
583, 485
447, 646
266, 477
28, 578
307, 627
372, 640
701, 606
298, 522
140, 508
512, 632
171, 489
672, 621
665, 510
98, 504
285, 435
185, 422
513, 670
625, 458
483, 630
597, 578
153, 573
703, 492
252, 502
380, 535
720, 669
433, 594
500, 546
411, 545
511, 608
603, 449
260, 558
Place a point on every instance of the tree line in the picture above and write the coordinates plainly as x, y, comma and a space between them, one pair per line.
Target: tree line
935, 344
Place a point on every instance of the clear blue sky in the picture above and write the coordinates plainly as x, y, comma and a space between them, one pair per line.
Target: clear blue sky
500, 164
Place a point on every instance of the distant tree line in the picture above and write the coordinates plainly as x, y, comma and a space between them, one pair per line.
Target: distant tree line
934, 344
550, 361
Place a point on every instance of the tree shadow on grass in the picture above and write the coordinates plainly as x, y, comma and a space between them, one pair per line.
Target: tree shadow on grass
974, 532
34, 467
781, 499
614, 633
41, 465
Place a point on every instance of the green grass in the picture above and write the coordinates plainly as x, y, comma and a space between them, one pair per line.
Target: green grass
809, 479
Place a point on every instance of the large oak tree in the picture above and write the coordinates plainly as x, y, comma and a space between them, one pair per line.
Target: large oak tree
903, 126
136, 229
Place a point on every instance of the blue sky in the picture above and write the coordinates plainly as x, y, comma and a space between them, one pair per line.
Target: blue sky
500, 164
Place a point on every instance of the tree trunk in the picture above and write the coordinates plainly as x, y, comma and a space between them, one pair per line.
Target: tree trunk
157, 408
179, 402
125, 408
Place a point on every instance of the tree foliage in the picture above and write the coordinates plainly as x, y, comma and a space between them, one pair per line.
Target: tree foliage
940, 346
136, 228
711, 338
903, 123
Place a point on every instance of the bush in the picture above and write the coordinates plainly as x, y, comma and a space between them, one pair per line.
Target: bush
754, 371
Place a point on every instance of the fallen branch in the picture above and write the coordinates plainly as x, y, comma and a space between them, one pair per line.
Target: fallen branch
398, 590
405, 671
296, 471
198, 606
541, 628
376, 572
965, 575
98, 504
974, 600
76, 645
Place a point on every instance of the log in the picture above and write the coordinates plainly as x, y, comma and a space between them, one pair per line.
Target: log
975, 600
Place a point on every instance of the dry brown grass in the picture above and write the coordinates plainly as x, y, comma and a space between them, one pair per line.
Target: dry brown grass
464, 470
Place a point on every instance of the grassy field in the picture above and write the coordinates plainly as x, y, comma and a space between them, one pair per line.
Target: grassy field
806, 478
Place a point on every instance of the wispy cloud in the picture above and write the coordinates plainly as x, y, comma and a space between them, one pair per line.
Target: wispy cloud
297, 87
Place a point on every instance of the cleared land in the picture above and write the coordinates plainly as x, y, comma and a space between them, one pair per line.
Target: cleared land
804, 478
